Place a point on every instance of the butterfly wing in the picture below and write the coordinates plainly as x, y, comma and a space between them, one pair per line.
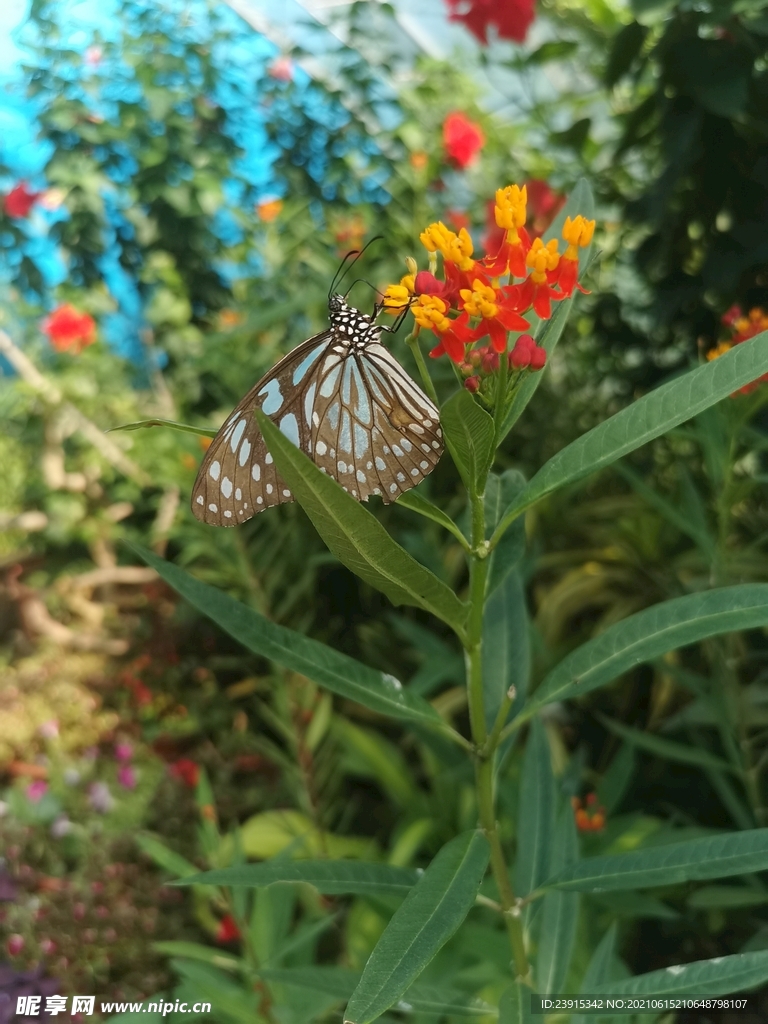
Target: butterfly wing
238, 478
374, 429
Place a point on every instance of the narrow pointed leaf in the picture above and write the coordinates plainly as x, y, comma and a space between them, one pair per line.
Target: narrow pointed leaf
668, 749
739, 972
727, 897
536, 818
547, 332
418, 503
506, 645
186, 428
722, 856
335, 671
500, 492
598, 972
469, 435
651, 416
356, 537
427, 918
340, 983
560, 912
330, 877
648, 634
515, 1005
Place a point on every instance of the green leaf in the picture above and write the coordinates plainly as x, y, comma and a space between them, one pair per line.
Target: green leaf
690, 525
668, 749
515, 1005
599, 970
649, 417
500, 492
736, 973
719, 856
330, 877
506, 645
357, 538
726, 897
536, 818
423, 923
337, 672
547, 332
469, 435
418, 503
560, 912
647, 634
197, 951
626, 47
173, 862
340, 983
230, 1000
187, 428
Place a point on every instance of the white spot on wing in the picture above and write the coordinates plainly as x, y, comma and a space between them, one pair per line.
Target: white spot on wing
256, 471
237, 434
245, 451
200, 499
226, 487
214, 470
213, 508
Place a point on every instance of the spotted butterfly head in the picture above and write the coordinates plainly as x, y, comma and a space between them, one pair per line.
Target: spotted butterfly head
346, 320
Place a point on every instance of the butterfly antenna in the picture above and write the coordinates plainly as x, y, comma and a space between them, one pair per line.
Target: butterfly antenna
345, 268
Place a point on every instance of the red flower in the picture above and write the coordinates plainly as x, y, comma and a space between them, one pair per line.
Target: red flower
227, 930
544, 204
19, 201
186, 771
281, 69
462, 138
458, 219
69, 330
591, 818
510, 18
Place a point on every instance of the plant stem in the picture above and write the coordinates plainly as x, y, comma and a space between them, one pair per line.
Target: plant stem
484, 751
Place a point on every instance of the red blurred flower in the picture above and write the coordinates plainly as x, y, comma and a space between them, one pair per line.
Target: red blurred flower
462, 138
458, 219
544, 204
68, 330
186, 771
227, 930
510, 18
19, 201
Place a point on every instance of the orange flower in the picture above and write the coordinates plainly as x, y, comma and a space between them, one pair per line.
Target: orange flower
68, 330
591, 818
535, 291
578, 234
269, 209
418, 160
509, 214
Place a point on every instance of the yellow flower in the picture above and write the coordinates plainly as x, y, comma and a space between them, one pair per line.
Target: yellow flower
542, 258
454, 248
480, 300
429, 312
398, 296
722, 348
577, 233
510, 207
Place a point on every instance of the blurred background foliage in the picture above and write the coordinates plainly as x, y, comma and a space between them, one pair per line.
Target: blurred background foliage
199, 264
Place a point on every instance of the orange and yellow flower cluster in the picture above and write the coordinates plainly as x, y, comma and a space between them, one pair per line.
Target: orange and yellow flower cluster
589, 818
470, 302
742, 328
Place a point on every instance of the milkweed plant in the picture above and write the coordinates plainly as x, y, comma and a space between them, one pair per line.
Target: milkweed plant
497, 319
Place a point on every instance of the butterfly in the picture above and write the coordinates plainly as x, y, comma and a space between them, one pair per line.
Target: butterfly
343, 400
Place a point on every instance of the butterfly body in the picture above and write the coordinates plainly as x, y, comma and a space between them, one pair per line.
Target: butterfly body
343, 400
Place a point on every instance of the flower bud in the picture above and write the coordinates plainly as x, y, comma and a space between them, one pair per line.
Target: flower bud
411, 265
466, 369
538, 358
15, 945
472, 384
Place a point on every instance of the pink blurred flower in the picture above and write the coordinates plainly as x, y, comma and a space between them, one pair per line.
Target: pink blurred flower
281, 69
100, 798
36, 790
126, 776
123, 751
93, 56
49, 730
